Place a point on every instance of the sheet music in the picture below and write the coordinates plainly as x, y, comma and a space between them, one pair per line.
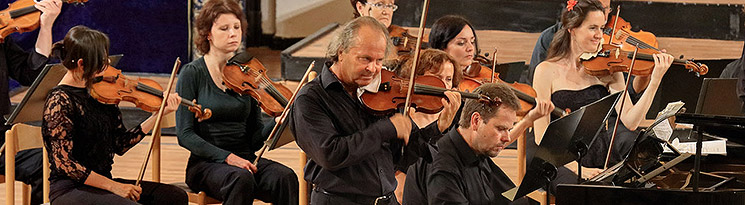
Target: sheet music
663, 130
718, 146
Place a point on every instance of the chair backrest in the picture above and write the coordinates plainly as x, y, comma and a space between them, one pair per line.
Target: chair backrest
22, 137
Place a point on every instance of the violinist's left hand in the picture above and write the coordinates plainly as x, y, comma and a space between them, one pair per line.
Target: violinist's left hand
50, 9
662, 62
449, 110
172, 103
542, 108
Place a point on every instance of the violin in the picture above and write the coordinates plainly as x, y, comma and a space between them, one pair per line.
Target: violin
403, 41
426, 98
246, 75
524, 92
112, 87
611, 58
627, 39
21, 16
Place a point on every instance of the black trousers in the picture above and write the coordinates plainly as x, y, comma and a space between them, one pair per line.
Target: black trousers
28, 170
68, 192
274, 182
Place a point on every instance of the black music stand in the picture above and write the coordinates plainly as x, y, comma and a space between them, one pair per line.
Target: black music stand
31, 108
284, 137
565, 140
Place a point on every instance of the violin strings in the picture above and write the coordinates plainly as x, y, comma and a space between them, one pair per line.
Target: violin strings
634, 41
263, 82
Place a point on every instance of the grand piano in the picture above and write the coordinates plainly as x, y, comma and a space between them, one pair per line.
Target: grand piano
649, 176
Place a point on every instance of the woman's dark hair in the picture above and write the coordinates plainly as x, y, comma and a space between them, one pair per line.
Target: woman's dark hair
207, 16
561, 44
446, 28
83, 43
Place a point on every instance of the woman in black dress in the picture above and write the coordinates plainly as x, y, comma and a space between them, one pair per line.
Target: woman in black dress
82, 134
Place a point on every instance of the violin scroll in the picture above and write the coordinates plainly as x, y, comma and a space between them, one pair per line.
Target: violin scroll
197, 110
699, 68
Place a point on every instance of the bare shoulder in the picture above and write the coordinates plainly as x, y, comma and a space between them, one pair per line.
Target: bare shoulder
546, 69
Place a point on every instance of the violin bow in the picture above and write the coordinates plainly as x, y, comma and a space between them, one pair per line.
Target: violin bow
623, 101
613, 30
493, 64
409, 92
276, 129
156, 130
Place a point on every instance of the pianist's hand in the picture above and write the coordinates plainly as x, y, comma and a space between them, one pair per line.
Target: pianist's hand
590, 172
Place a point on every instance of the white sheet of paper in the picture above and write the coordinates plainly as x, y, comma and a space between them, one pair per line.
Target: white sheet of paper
707, 147
663, 130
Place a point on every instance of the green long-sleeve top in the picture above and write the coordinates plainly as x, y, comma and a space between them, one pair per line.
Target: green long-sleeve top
235, 126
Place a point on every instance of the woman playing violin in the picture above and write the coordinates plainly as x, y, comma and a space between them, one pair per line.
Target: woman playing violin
82, 134
381, 10
563, 80
223, 146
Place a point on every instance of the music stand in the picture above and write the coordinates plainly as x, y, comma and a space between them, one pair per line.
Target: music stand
285, 137
563, 142
31, 108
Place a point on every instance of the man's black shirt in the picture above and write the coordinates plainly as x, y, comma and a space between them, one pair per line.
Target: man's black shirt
459, 176
351, 150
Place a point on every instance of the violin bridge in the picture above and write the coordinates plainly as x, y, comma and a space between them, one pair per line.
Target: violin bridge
618, 52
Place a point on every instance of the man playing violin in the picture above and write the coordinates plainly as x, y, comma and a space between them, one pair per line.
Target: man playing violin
353, 153
24, 67
462, 172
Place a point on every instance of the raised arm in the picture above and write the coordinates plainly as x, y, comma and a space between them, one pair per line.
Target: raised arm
632, 114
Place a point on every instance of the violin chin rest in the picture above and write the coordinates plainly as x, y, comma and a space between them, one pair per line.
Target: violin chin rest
241, 58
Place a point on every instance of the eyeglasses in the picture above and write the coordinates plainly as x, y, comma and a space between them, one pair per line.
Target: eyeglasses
381, 5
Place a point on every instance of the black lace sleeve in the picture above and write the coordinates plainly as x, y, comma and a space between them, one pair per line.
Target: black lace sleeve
126, 139
57, 130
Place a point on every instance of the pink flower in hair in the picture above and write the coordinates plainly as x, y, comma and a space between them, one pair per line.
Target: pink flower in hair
570, 4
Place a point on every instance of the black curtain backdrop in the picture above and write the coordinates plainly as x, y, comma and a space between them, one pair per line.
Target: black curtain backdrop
150, 33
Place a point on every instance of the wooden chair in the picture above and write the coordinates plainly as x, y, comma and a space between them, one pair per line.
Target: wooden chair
304, 190
201, 198
22, 137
